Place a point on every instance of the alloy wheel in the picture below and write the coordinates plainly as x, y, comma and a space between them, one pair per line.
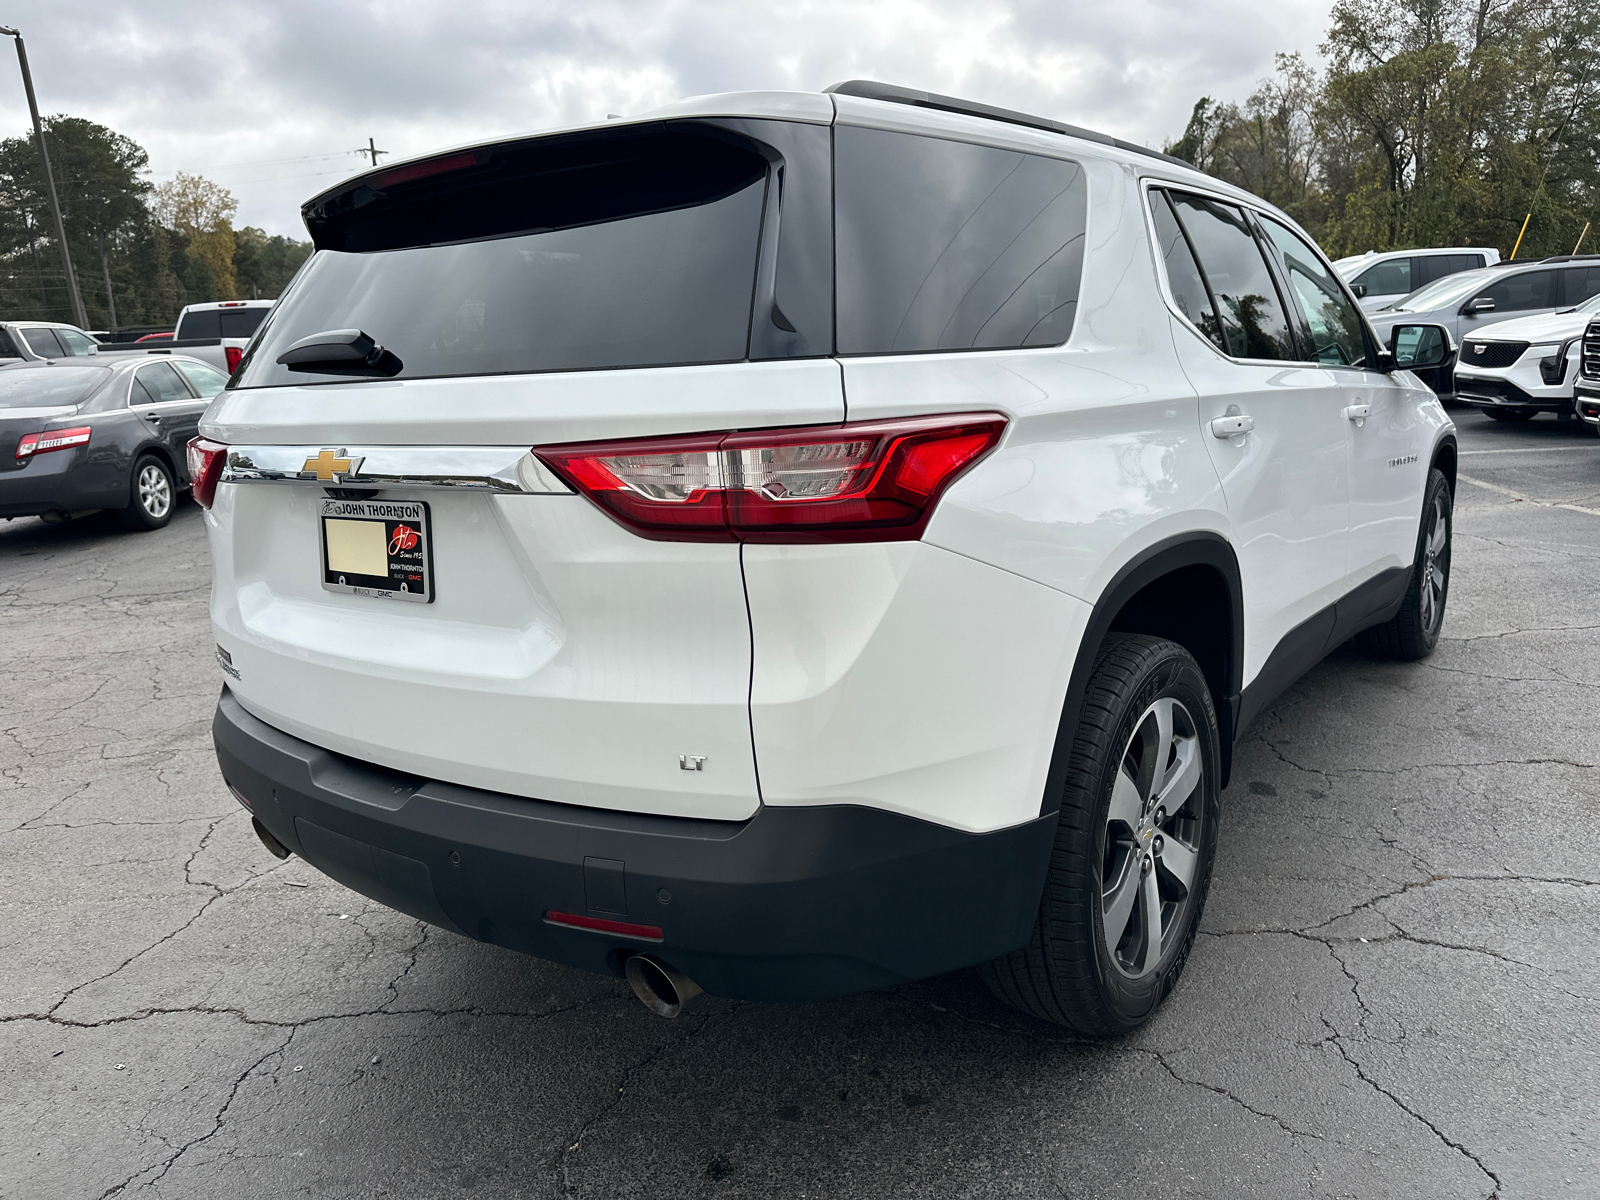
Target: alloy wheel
1152, 838
155, 491
1435, 558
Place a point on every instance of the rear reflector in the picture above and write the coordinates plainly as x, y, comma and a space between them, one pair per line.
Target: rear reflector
240, 797
206, 459
867, 481
233, 354
645, 933
52, 439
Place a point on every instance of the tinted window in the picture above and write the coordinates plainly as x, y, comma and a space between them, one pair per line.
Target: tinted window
1183, 276
1392, 278
77, 344
161, 383
207, 380
206, 323
946, 246
1519, 292
240, 322
44, 387
43, 343
1335, 322
1437, 266
653, 263
1579, 283
8, 348
1253, 323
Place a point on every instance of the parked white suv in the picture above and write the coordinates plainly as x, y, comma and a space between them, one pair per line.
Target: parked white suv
1517, 369
1379, 279
910, 526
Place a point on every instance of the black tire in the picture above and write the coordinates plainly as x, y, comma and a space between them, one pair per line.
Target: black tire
1511, 414
1413, 632
1069, 973
152, 494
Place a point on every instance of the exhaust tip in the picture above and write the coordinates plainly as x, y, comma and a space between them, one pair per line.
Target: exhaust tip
274, 847
663, 990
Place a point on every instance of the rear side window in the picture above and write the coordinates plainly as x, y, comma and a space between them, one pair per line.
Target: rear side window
942, 245
628, 250
1253, 320
1391, 278
1437, 266
203, 324
8, 348
1521, 292
157, 384
205, 379
1183, 276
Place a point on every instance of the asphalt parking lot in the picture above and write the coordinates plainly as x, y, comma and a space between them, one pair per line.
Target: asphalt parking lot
1395, 994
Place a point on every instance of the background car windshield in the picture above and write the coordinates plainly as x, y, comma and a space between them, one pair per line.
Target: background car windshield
1444, 292
606, 252
49, 387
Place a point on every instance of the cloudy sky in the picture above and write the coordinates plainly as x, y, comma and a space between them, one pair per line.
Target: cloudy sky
272, 99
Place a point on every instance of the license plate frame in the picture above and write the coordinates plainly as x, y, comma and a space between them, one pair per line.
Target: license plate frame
406, 545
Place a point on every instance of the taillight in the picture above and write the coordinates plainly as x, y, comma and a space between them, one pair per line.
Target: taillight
867, 481
206, 459
52, 439
233, 354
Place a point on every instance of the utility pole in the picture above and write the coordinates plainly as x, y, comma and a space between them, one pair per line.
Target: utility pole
79, 316
372, 149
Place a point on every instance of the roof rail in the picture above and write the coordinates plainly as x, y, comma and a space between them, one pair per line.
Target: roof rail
1572, 258
869, 90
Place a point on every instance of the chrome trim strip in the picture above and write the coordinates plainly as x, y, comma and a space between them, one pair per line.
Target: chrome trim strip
509, 469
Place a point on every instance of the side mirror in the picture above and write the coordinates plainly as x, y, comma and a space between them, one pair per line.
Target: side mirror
1359, 290
1480, 304
1421, 347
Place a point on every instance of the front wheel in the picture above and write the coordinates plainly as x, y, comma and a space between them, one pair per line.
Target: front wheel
1134, 846
153, 492
1413, 632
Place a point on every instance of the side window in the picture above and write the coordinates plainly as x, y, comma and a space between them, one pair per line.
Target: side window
43, 343
1391, 278
1437, 266
1183, 275
942, 245
1520, 292
1579, 283
77, 344
1335, 323
161, 383
1253, 321
206, 323
207, 380
8, 348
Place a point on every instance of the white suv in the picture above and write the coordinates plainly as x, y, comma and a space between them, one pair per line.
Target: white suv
791, 544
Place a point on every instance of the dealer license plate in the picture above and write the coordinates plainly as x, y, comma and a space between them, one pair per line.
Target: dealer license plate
379, 548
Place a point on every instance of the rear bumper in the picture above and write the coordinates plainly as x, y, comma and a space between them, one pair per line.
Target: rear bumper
795, 903
50, 484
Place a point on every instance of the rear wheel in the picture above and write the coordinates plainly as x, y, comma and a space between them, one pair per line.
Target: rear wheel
1134, 846
153, 492
1413, 632
1511, 414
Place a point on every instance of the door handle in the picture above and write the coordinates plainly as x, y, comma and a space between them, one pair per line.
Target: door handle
1358, 413
1229, 426
153, 418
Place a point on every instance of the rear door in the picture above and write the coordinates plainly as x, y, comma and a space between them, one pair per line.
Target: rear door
629, 282
1285, 473
169, 408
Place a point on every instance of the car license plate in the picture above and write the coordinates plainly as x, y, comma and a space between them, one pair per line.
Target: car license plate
380, 548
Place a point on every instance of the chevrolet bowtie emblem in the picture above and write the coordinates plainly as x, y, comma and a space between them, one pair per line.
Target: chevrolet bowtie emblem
328, 465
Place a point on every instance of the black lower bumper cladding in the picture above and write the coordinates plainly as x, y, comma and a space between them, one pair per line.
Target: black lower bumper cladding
795, 903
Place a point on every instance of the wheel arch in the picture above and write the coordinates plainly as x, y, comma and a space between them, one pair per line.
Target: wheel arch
1187, 589
1444, 458
156, 450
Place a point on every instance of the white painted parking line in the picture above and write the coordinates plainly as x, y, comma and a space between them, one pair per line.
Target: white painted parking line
1505, 491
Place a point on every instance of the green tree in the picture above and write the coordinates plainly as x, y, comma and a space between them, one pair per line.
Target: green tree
263, 264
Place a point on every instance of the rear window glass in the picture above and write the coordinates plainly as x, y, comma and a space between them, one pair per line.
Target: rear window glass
241, 322
202, 324
606, 252
47, 387
947, 246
